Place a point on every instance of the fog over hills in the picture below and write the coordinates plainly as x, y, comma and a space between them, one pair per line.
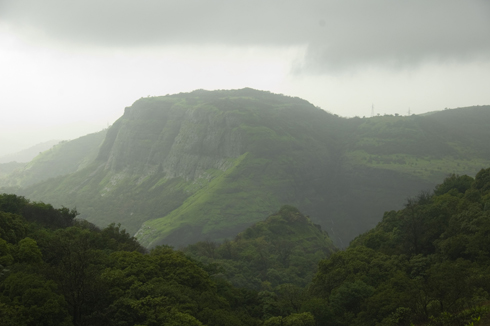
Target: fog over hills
207, 164
28, 154
68, 62
245, 163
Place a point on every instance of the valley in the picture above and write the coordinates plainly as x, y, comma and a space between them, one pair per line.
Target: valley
207, 164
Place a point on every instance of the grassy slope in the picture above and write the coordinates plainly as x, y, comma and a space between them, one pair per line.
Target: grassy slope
205, 165
26, 155
7, 168
269, 174
370, 186
453, 141
62, 159
389, 158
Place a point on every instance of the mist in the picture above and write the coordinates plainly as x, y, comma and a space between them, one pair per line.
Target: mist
80, 63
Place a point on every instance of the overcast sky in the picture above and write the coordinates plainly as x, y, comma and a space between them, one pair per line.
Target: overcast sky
69, 67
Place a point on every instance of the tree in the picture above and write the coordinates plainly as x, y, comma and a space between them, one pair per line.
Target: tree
76, 265
454, 181
302, 319
28, 252
31, 300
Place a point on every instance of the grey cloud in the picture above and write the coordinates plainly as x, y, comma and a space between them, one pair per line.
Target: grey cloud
402, 33
127, 23
338, 34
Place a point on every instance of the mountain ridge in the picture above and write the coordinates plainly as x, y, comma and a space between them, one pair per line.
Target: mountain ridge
26, 155
208, 164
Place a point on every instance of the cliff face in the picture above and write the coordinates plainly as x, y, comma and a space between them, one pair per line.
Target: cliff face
180, 168
232, 158
179, 140
205, 165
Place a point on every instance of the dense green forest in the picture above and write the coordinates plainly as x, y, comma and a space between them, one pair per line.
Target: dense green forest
426, 264
57, 270
189, 167
283, 249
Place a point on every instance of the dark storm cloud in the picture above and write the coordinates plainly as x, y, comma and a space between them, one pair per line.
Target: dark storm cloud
338, 34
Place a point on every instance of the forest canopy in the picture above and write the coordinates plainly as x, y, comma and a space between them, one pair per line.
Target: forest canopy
426, 264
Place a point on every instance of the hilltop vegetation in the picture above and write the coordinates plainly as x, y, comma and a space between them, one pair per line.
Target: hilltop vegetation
55, 270
283, 249
427, 264
207, 165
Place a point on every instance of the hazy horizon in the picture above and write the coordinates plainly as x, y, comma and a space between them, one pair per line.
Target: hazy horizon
70, 68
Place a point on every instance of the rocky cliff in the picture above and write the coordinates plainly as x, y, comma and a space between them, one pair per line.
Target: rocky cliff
205, 165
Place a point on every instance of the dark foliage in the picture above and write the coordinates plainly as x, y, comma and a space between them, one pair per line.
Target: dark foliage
427, 263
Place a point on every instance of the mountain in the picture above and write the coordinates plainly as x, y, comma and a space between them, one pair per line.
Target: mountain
203, 165
62, 159
28, 154
8, 168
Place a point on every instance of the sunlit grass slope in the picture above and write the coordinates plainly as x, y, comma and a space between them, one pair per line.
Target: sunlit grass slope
205, 165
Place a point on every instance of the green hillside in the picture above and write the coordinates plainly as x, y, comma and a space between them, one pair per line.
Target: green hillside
206, 165
283, 249
426, 264
28, 154
7, 168
56, 270
64, 158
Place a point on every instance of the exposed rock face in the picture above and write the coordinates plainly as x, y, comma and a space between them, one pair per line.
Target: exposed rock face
206, 165
181, 142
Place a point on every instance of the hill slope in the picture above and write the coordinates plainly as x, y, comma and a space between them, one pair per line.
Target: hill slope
206, 165
283, 249
28, 154
426, 264
62, 159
